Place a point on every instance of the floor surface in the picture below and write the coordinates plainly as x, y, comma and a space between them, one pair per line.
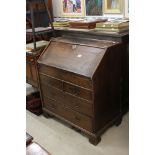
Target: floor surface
59, 139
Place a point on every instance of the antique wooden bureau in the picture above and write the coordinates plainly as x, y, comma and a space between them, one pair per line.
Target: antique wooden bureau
122, 38
80, 83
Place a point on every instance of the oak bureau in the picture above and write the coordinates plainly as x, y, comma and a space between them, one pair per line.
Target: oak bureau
80, 83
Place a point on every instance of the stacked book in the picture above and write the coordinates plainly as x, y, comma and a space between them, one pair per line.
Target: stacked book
82, 25
116, 26
85, 24
61, 23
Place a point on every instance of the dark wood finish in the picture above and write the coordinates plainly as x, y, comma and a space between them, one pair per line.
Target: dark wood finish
119, 37
46, 115
95, 140
46, 80
82, 59
80, 83
125, 79
110, 71
122, 38
65, 76
67, 113
71, 101
77, 91
118, 121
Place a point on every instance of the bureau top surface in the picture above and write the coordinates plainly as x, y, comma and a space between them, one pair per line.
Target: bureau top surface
85, 41
80, 58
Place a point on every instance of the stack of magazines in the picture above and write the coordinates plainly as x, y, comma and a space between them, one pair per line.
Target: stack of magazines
61, 23
117, 26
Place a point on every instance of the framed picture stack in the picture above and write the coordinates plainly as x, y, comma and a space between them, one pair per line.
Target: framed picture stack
94, 7
72, 8
82, 8
113, 6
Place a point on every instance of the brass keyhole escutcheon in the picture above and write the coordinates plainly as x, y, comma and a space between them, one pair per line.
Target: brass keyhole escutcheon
74, 47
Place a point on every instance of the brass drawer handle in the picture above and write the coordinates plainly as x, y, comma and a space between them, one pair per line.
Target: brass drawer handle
77, 106
71, 89
77, 118
75, 91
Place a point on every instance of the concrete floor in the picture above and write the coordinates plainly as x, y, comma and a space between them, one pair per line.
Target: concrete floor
59, 139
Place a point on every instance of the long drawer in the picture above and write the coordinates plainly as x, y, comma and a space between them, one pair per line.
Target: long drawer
73, 102
66, 76
70, 115
66, 87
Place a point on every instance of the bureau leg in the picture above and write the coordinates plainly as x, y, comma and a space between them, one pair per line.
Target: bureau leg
118, 121
94, 140
76, 129
46, 114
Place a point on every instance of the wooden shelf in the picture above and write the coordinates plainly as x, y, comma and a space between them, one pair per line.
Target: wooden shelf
40, 30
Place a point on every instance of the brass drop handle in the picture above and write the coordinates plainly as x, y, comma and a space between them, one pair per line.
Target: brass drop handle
75, 91
77, 106
71, 89
77, 118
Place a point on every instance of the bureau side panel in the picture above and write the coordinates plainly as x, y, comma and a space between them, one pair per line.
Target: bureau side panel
107, 88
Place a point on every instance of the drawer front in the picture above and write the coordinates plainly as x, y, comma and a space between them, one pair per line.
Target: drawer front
70, 115
66, 76
80, 105
77, 91
52, 93
75, 103
51, 105
78, 119
51, 81
28, 71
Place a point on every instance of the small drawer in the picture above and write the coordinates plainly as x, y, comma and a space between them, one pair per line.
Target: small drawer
50, 104
51, 81
77, 91
52, 93
78, 104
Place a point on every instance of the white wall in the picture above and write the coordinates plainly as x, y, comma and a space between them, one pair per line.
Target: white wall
57, 10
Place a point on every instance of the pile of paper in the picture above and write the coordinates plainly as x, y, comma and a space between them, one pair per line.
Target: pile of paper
113, 26
61, 23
